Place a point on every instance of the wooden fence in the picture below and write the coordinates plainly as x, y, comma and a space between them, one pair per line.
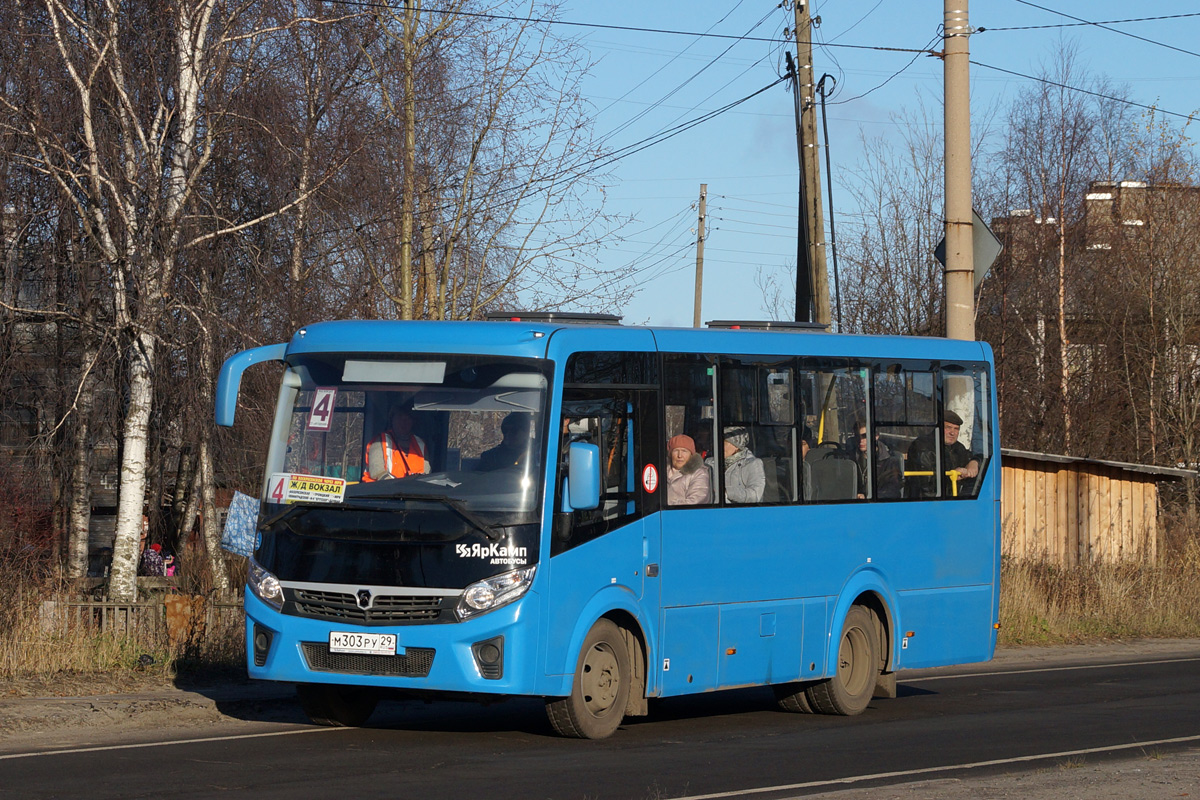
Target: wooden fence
1072, 511
180, 617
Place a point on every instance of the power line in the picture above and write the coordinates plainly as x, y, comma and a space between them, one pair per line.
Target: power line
758, 202
754, 224
739, 75
603, 26
895, 74
1049, 82
582, 169
1103, 26
841, 72
791, 216
678, 88
1085, 22
661, 136
791, 236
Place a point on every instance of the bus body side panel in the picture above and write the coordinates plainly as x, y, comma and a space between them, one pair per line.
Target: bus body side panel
759, 642
587, 582
949, 626
453, 667
760, 558
946, 598
689, 652
762, 581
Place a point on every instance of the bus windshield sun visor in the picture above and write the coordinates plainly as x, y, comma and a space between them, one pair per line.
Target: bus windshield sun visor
400, 372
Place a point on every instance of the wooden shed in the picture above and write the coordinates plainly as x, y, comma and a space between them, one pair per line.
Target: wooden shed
1073, 511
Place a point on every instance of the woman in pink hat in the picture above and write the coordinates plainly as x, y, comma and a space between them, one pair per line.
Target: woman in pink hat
687, 477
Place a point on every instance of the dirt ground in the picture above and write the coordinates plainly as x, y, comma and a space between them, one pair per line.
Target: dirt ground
87, 708
98, 706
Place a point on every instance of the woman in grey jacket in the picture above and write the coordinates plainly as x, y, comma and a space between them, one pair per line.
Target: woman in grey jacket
745, 480
687, 477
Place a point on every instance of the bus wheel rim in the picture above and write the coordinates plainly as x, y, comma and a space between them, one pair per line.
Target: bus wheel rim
601, 680
852, 660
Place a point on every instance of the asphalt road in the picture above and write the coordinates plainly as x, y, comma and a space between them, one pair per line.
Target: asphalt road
1020, 712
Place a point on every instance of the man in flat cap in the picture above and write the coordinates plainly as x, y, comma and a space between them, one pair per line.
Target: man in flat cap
955, 458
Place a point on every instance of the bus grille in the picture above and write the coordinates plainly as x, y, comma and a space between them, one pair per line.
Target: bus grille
385, 609
415, 663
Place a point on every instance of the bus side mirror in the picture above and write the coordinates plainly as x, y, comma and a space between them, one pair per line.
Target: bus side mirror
230, 378
583, 481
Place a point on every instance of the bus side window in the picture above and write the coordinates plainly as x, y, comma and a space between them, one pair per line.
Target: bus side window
688, 389
906, 420
834, 397
757, 420
965, 389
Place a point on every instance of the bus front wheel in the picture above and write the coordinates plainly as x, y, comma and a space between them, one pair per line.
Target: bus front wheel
853, 684
336, 706
599, 690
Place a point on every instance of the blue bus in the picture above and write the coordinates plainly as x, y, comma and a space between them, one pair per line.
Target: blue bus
491, 508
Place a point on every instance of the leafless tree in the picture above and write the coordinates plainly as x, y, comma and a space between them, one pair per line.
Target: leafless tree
1056, 141
495, 150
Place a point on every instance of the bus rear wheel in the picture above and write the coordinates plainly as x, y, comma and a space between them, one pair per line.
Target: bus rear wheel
337, 706
793, 697
850, 690
599, 690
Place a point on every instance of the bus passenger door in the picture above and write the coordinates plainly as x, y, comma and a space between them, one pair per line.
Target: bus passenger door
600, 557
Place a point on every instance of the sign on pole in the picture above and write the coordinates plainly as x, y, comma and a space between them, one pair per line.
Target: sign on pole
985, 248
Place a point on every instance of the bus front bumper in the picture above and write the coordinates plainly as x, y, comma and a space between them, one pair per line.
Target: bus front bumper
493, 653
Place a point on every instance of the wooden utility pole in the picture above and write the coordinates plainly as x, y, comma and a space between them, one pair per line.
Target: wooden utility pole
810, 169
960, 267
700, 254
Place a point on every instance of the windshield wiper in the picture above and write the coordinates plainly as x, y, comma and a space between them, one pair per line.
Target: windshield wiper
460, 508
292, 510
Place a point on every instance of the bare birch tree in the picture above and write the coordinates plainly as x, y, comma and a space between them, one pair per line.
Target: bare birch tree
141, 78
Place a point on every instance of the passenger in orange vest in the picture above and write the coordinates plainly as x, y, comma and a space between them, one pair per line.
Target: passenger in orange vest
397, 452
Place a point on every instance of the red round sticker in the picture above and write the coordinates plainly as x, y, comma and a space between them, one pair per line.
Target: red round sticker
650, 478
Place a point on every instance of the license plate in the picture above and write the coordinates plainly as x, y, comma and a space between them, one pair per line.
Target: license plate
374, 644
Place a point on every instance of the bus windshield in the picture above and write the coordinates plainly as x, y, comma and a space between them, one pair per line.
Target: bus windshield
464, 428
374, 453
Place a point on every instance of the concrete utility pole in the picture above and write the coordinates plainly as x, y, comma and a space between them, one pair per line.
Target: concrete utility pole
700, 254
959, 277
810, 169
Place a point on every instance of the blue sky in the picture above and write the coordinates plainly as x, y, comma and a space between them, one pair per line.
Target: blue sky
647, 82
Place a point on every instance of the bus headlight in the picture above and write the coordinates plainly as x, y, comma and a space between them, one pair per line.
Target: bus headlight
265, 586
493, 592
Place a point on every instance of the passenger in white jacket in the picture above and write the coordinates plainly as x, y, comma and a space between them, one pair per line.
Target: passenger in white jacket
745, 480
687, 477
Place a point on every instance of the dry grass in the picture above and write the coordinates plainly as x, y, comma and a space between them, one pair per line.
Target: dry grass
48, 642
1042, 604
44, 632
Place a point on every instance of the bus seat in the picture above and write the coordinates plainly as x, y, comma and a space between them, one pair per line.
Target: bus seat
771, 490
778, 472
834, 477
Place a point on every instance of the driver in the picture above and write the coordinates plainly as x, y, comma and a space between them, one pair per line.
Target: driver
397, 452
